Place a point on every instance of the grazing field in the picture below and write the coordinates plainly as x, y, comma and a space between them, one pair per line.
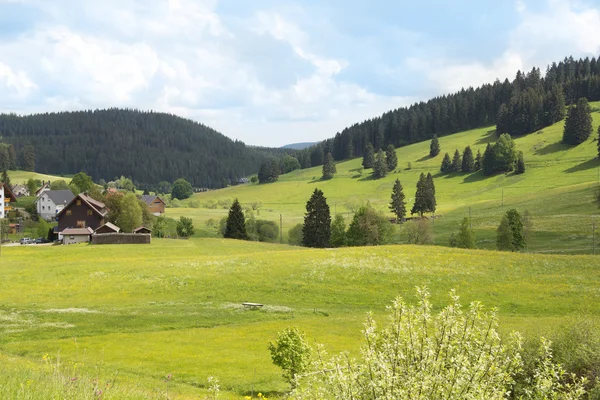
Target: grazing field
132, 315
557, 189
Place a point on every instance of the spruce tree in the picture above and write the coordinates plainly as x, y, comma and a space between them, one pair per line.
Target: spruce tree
329, 169
369, 156
504, 237
5, 178
236, 223
316, 230
554, 105
398, 205
264, 172
391, 158
465, 238
28, 158
478, 160
434, 147
274, 171
456, 162
420, 205
599, 141
380, 168
516, 227
468, 163
349, 151
520, 168
578, 126
488, 161
430, 190
446, 164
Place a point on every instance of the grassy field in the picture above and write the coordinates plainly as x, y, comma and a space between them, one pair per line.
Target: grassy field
140, 313
557, 189
23, 176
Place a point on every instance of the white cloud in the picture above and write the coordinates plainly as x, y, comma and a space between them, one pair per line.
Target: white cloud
15, 83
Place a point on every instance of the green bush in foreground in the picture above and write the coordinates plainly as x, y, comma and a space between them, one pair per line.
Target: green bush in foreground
456, 354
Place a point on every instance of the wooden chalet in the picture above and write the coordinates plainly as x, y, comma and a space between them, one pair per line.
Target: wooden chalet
155, 204
82, 212
6, 197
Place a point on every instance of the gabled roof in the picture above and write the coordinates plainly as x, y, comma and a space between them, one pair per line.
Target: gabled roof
141, 228
110, 226
8, 192
149, 199
77, 231
97, 206
59, 196
44, 186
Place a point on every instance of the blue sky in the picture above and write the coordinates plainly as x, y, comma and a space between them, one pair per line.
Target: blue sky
271, 72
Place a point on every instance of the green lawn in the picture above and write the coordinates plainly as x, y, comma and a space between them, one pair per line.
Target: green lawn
557, 188
174, 307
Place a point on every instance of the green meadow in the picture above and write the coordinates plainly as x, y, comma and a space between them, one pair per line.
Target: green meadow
557, 189
129, 316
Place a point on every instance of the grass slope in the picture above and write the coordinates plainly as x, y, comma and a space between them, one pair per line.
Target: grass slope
174, 307
557, 189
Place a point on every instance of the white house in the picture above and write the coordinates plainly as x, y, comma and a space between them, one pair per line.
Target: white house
20, 190
6, 196
51, 202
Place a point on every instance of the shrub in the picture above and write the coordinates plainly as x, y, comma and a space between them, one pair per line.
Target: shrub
369, 228
291, 353
419, 232
295, 235
268, 231
185, 227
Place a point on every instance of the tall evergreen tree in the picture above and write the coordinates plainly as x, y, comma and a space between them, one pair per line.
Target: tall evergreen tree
456, 162
316, 231
235, 227
555, 105
465, 238
368, 156
430, 190
488, 162
380, 168
391, 158
446, 164
504, 237
578, 126
5, 178
329, 169
28, 158
398, 205
478, 160
264, 172
434, 147
349, 151
468, 163
425, 196
516, 227
520, 168
274, 171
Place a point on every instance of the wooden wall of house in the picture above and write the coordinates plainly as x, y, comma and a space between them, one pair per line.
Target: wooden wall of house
79, 213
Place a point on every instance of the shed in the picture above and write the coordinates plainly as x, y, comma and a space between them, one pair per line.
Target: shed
108, 228
76, 235
142, 229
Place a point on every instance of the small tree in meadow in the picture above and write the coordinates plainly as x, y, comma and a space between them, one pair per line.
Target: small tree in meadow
446, 164
456, 162
478, 160
338, 232
316, 230
468, 163
380, 167
465, 238
368, 156
329, 169
295, 235
504, 235
291, 352
391, 157
236, 223
398, 205
185, 227
419, 232
520, 166
434, 147
516, 226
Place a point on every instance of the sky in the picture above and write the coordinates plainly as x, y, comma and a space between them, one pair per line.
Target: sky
273, 72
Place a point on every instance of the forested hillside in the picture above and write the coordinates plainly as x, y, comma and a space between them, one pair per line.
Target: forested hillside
528, 103
147, 146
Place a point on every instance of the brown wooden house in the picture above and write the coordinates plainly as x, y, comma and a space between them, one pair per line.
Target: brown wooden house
82, 212
155, 204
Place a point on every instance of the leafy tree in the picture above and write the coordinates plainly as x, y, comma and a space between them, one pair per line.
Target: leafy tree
368, 156
59, 184
468, 163
291, 352
295, 235
159, 227
181, 189
380, 168
391, 158
504, 153
185, 227
465, 238
504, 236
456, 162
5, 178
578, 126
369, 228
520, 168
80, 183
446, 164
289, 164
28, 163
164, 187
316, 230
32, 186
329, 169
398, 205
419, 232
516, 227
338, 232
236, 223
125, 184
42, 228
478, 161
268, 231
434, 147
130, 215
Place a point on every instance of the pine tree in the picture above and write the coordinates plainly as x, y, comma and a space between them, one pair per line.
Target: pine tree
380, 168
465, 238
430, 190
504, 235
446, 164
369, 156
12, 158
398, 205
391, 158
274, 171
316, 231
468, 163
421, 197
263, 172
599, 141
554, 105
516, 226
338, 232
456, 162
478, 160
28, 158
488, 162
349, 151
329, 168
520, 168
236, 223
434, 147
578, 126
5, 177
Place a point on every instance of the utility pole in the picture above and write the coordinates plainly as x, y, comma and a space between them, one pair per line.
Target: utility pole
470, 223
594, 238
281, 228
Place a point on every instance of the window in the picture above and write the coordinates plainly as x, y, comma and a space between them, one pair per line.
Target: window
43, 207
89, 212
69, 212
78, 202
81, 224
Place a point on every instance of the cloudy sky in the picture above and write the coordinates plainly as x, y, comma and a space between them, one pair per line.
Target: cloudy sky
271, 72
